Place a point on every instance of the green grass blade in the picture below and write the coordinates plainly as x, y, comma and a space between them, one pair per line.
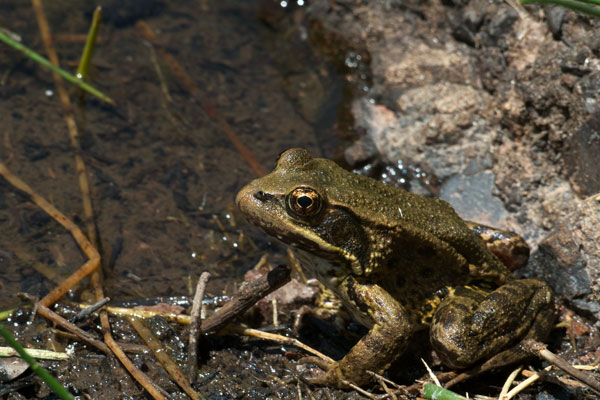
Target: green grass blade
37, 368
574, 5
41, 60
90, 45
431, 391
6, 314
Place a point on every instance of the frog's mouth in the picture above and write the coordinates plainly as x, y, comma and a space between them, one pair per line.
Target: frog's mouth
267, 210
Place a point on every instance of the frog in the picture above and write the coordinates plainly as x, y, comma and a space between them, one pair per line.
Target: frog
401, 263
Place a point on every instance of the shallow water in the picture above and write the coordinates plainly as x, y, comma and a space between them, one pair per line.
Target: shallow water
163, 173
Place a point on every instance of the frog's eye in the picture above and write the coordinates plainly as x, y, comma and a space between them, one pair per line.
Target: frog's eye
304, 202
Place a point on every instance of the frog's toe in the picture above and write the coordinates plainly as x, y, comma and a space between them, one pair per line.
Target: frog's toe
319, 362
332, 376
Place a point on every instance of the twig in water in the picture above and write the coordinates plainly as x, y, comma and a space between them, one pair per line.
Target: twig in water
154, 344
92, 308
195, 324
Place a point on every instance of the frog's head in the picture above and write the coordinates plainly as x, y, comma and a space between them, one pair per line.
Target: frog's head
295, 203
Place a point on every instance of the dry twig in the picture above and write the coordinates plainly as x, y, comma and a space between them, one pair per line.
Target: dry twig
539, 349
92, 308
195, 325
169, 365
247, 297
80, 333
277, 338
84, 244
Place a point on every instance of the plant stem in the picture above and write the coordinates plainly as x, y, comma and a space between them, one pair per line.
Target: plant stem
572, 5
37, 368
41, 60
432, 391
90, 45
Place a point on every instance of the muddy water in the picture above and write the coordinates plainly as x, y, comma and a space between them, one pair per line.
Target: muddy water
162, 172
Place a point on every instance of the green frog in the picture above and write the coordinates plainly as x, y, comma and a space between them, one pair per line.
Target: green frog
401, 263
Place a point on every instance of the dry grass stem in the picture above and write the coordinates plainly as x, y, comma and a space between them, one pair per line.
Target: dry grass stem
384, 379
35, 353
508, 383
127, 312
89, 250
431, 374
277, 338
69, 119
359, 390
527, 382
295, 265
94, 258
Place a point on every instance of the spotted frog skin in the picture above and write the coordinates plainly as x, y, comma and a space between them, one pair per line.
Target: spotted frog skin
401, 263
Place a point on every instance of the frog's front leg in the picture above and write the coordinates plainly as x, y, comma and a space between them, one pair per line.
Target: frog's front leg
472, 325
389, 332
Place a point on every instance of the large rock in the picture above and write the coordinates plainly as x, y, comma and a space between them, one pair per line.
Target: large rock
569, 258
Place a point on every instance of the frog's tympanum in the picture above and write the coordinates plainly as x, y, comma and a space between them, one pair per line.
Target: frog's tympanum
401, 263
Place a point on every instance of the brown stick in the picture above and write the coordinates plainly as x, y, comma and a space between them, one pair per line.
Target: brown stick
82, 241
69, 119
195, 324
247, 297
91, 309
159, 352
85, 245
539, 349
60, 321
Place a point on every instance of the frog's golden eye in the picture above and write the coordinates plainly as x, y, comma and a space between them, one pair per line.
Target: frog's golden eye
304, 202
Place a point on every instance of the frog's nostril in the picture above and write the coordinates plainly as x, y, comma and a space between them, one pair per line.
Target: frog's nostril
262, 196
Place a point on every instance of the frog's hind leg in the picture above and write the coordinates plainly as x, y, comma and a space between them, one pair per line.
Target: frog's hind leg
472, 325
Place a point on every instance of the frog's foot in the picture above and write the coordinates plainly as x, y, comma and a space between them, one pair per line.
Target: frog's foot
332, 376
473, 325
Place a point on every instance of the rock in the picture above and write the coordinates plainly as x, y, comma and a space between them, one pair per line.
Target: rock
556, 16
569, 258
436, 123
589, 87
583, 159
502, 23
414, 64
472, 198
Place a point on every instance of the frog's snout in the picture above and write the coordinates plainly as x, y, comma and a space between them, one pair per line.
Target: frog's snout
243, 197
250, 199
